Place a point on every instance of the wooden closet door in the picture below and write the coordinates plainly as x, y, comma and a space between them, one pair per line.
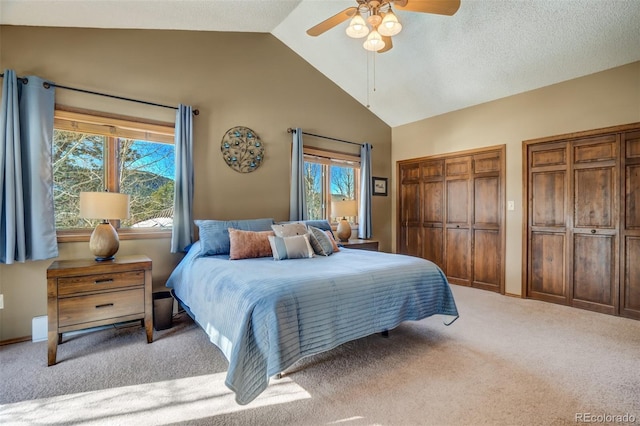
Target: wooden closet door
461, 213
487, 217
630, 228
548, 194
432, 173
594, 231
409, 238
458, 213
594, 271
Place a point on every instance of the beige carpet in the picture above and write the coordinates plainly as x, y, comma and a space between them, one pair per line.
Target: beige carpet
506, 361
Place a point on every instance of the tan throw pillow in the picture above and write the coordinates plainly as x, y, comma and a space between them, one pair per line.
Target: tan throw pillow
289, 229
249, 244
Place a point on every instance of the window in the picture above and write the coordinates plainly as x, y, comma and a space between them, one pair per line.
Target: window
94, 153
329, 177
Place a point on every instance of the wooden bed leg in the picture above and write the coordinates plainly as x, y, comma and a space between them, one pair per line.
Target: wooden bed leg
385, 333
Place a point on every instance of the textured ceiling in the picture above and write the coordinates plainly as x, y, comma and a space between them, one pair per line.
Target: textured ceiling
488, 50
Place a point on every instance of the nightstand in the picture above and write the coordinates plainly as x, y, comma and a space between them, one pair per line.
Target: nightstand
85, 293
360, 244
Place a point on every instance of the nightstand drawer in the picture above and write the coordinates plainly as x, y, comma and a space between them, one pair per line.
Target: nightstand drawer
99, 282
96, 307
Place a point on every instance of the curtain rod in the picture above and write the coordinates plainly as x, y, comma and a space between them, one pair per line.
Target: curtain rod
47, 85
290, 130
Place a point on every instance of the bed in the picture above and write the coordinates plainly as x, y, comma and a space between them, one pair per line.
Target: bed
266, 314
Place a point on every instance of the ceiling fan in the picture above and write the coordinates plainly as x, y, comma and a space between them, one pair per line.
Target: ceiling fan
382, 22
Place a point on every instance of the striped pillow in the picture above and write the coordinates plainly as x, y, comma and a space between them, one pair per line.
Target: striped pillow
295, 247
320, 241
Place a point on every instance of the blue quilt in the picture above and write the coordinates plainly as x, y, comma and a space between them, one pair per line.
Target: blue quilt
265, 315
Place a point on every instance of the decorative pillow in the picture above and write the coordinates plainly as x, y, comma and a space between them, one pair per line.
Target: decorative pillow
318, 223
320, 241
333, 241
214, 234
295, 247
289, 229
249, 244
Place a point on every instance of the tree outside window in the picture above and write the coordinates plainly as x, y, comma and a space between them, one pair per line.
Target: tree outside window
329, 179
90, 161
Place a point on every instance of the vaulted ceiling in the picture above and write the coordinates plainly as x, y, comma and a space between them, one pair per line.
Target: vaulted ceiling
488, 50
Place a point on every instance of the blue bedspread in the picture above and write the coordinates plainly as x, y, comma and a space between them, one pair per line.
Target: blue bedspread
264, 314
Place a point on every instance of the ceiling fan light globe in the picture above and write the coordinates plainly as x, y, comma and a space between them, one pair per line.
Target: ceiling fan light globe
374, 42
389, 25
357, 27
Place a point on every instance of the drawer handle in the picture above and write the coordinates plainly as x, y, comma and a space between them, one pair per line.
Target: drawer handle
106, 305
593, 231
106, 280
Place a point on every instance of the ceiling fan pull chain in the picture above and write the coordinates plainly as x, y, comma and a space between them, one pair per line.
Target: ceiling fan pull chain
374, 70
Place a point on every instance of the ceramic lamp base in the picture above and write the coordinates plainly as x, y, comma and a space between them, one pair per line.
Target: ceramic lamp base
343, 230
104, 242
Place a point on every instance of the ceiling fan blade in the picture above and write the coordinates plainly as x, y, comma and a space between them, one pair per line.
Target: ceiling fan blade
440, 7
336, 19
388, 44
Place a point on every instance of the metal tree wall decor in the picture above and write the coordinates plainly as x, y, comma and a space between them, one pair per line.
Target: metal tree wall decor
242, 149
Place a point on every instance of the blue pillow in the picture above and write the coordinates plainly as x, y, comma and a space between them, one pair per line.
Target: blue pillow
320, 224
214, 234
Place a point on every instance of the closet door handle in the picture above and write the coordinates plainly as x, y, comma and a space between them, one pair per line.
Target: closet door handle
406, 233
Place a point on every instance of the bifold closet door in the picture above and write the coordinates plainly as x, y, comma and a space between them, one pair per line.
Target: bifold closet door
594, 280
487, 216
458, 201
630, 281
432, 173
458, 220
410, 238
548, 206
583, 220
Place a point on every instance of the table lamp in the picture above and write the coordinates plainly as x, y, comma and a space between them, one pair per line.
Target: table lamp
345, 208
104, 242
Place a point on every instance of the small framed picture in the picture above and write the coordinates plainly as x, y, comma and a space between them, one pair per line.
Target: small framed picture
379, 186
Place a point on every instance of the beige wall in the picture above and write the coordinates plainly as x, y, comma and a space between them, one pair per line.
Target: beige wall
254, 80
234, 79
599, 100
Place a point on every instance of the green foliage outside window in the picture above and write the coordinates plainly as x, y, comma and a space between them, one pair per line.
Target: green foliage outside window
326, 181
144, 170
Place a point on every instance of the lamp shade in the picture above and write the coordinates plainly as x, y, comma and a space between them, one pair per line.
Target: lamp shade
357, 27
346, 208
374, 42
104, 205
390, 25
